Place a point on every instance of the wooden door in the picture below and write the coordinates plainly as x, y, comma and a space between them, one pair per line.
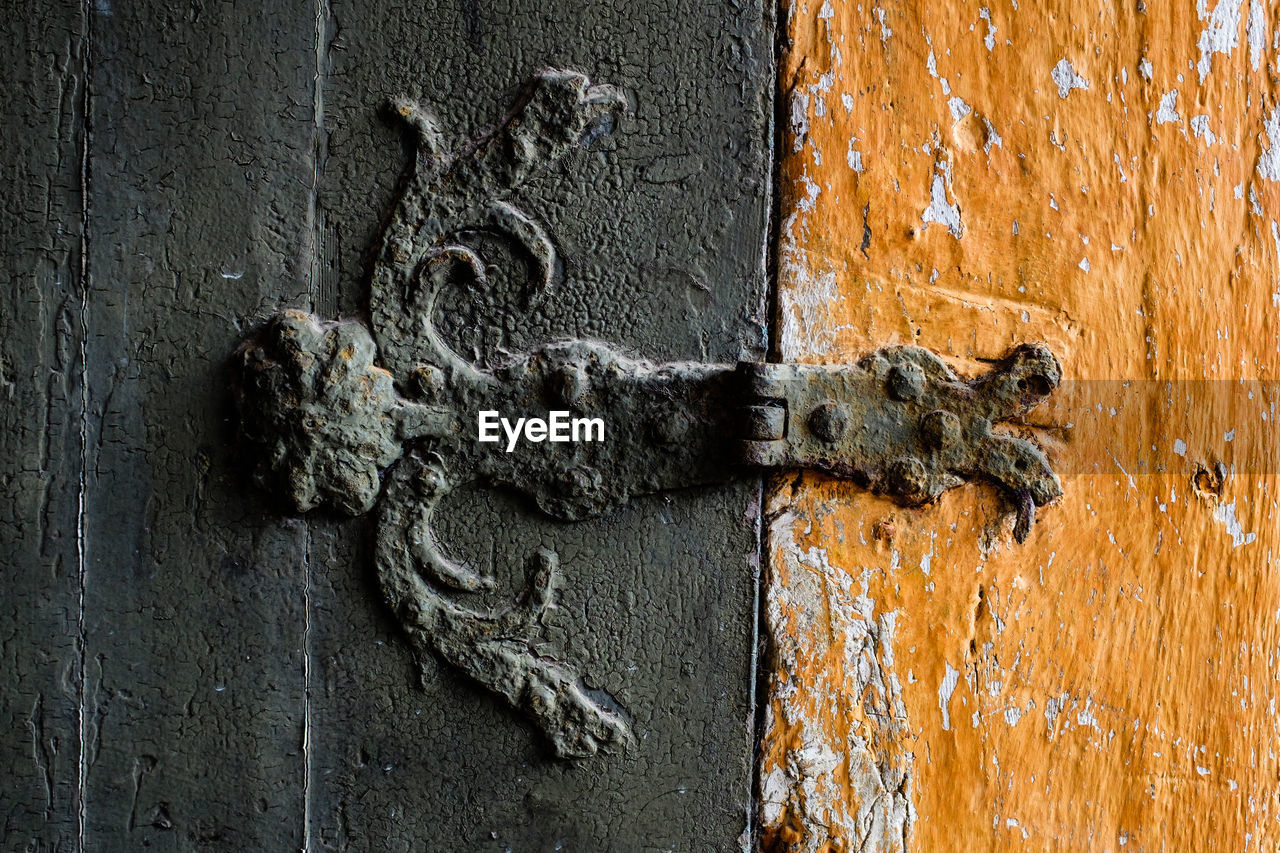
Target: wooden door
187, 666
803, 666
1101, 177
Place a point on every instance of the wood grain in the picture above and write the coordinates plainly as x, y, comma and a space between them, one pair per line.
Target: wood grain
1101, 177
41, 394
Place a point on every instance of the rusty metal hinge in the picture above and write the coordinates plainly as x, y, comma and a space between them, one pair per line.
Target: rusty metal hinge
336, 414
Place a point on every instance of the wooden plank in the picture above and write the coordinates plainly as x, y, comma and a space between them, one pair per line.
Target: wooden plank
202, 134
1102, 177
41, 143
662, 232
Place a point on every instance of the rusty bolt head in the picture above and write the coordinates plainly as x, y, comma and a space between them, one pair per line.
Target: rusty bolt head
568, 384
829, 421
940, 429
908, 478
426, 381
906, 381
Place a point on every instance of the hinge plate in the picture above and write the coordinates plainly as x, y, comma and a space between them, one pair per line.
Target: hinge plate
341, 415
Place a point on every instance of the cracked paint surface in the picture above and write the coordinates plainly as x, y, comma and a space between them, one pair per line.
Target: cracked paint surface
1103, 179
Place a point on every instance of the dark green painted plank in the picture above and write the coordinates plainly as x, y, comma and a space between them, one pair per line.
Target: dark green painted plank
202, 132
41, 141
662, 233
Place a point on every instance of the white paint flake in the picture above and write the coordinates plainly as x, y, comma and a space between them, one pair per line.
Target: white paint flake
811, 190
854, 157
1052, 708
885, 32
948, 686
1226, 514
1067, 79
1220, 35
1275, 237
993, 138
809, 300
799, 119
1084, 264
1168, 111
990, 40
841, 781
826, 13
1269, 160
1255, 32
959, 109
939, 209
1200, 127
1179, 447
1145, 68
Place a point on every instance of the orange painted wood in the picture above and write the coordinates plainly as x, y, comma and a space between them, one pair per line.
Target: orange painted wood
1103, 177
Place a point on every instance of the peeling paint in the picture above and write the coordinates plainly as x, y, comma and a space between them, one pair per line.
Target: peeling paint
1168, 111
1226, 514
1256, 33
1220, 35
940, 210
1269, 160
949, 680
1148, 251
1066, 78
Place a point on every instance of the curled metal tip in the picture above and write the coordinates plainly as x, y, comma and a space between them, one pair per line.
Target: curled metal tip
1026, 507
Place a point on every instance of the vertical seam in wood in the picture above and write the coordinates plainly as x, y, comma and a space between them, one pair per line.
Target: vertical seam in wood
322, 13
760, 635
777, 125
758, 679
82, 485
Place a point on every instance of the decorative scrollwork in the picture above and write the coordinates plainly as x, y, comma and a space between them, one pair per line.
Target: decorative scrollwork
323, 420
327, 425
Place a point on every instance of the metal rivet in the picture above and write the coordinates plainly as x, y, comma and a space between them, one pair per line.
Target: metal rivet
829, 421
426, 381
568, 384
940, 429
906, 381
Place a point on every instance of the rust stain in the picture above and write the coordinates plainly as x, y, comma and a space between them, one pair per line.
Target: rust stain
1105, 178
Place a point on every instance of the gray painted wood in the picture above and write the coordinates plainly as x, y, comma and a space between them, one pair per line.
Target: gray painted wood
663, 235
201, 152
41, 143
245, 688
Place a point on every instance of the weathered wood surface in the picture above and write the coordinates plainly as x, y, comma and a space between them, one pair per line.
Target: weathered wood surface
201, 164
41, 146
662, 230
1102, 177
243, 688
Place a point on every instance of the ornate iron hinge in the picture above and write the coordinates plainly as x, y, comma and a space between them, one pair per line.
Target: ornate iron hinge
339, 416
